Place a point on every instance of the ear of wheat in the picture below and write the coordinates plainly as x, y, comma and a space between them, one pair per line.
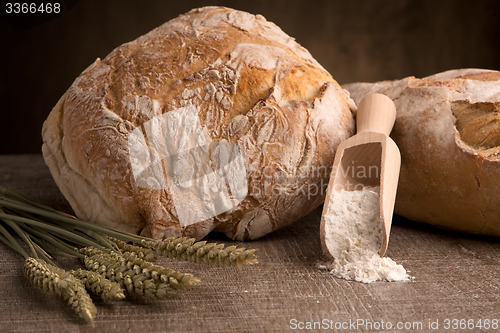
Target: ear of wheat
118, 264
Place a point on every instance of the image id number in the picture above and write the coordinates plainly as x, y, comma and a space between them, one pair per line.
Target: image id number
32, 8
471, 324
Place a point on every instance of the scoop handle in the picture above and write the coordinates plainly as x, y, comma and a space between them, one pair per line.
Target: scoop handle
376, 113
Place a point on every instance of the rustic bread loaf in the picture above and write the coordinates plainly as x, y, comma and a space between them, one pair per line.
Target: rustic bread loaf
215, 120
448, 130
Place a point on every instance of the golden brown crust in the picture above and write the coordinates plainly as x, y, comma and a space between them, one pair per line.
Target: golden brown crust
252, 85
448, 131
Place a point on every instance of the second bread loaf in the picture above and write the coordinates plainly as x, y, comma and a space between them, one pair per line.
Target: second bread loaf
448, 130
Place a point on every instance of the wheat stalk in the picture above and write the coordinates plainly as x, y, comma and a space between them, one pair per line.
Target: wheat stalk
118, 263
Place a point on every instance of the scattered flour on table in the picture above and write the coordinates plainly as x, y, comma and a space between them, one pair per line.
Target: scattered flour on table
353, 235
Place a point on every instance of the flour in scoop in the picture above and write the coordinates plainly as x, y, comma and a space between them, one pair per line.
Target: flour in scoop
353, 235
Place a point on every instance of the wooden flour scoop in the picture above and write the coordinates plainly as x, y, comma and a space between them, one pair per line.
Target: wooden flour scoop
369, 158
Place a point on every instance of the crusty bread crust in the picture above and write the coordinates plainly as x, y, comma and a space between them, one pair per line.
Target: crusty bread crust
253, 86
448, 130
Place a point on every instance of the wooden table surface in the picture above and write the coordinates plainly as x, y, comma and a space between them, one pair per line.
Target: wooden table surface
457, 276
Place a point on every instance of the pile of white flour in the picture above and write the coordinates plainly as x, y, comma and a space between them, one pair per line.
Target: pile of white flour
353, 234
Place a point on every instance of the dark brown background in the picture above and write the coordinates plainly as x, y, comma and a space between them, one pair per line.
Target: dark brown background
354, 40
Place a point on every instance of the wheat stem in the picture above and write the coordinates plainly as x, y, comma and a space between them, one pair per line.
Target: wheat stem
52, 228
13, 242
65, 247
20, 233
57, 216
